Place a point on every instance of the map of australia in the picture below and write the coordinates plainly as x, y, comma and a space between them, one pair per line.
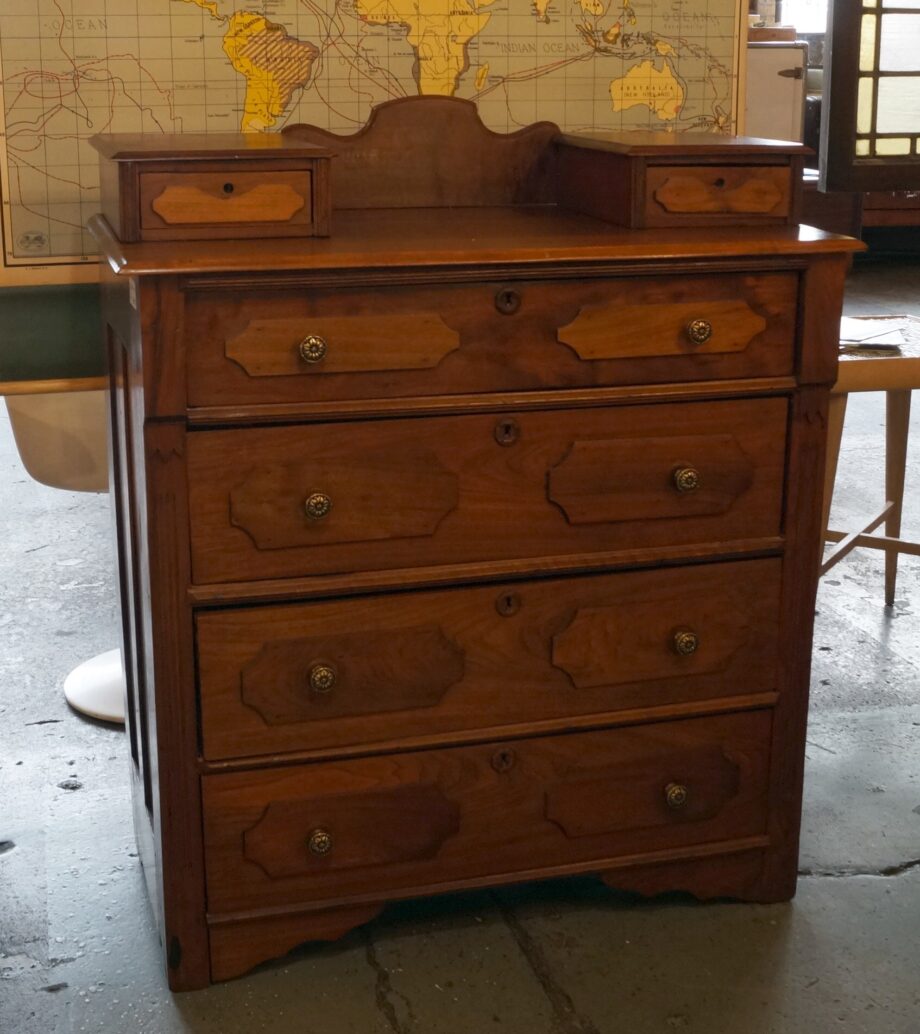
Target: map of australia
73, 68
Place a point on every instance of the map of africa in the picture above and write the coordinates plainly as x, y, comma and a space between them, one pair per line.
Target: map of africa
73, 68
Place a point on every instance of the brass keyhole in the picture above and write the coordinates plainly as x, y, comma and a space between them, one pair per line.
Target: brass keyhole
507, 431
508, 603
507, 301
503, 760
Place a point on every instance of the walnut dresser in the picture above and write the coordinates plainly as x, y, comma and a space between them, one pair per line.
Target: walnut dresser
468, 534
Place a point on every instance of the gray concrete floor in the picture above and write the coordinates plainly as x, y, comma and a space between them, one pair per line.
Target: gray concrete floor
78, 950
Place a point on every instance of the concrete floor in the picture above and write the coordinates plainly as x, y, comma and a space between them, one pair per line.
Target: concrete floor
78, 950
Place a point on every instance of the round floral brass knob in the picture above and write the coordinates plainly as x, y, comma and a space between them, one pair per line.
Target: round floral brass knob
699, 331
320, 841
686, 479
685, 642
322, 678
317, 505
313, 348
676, 795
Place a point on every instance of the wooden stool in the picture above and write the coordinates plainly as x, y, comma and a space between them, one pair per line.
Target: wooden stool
896, 373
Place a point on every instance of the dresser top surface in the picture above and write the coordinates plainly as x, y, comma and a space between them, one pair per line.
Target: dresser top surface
157, 147
446, 237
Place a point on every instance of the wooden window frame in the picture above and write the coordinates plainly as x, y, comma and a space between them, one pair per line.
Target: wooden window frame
841, 168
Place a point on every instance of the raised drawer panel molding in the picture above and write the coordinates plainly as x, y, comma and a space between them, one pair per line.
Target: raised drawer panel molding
638, 640
469, 528
373, 497
632, 331
650, 478
704, 780
342, 344
318, 678
404, 824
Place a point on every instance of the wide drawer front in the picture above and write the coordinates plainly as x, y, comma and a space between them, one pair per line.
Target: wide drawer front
318, 499
408, 822
360, 671
353, 343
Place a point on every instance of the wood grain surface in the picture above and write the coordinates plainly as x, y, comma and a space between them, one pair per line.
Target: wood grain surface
515, 803
428, 663
446, 491
390, 342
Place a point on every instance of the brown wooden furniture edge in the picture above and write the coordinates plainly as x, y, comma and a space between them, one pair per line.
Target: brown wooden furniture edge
714, 849
517, 731
300, 254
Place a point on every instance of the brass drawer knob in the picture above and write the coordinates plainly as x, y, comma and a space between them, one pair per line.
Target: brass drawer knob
699, 331
313, 348
676, 795
317, 505
322, 678
686, 479
685, 642
320, 842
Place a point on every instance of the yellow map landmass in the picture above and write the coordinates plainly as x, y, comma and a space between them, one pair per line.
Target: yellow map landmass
439, 32
657, 89
206, 5
273, 64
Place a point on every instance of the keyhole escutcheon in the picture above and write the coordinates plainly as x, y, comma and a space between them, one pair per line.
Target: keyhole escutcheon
507, 431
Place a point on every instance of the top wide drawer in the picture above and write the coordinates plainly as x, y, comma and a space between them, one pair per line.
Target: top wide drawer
321, 345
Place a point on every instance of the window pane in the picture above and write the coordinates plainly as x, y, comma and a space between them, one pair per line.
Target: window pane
900, 43
867, 43
898, 105
893, 145
864, 106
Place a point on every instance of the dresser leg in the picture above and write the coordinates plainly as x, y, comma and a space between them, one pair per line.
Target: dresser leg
238, 946
739, 876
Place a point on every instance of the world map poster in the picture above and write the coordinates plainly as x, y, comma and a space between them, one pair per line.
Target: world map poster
72, 68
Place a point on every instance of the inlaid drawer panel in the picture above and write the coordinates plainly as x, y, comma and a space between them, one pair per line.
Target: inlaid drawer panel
277, 502
381, 668
226, 202
407, 822
696, 194
353, 343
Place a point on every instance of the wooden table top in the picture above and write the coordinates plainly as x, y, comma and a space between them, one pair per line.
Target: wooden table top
863, 369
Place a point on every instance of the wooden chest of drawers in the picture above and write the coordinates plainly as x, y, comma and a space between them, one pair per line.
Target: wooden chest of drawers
475, 543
